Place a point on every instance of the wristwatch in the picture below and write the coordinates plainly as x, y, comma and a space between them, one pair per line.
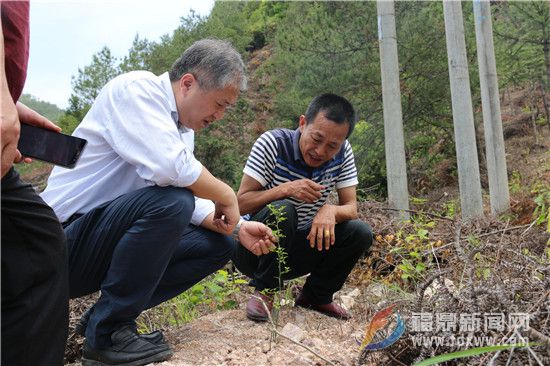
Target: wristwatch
235, 233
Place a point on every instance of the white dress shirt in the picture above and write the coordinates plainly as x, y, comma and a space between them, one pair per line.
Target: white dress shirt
133, 142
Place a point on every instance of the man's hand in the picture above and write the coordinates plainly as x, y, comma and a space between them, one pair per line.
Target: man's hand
10, 132
304, 190
226, 217
31, 117
322, 228
256, 237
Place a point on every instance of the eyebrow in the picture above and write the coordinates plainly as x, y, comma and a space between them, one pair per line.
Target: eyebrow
317, 134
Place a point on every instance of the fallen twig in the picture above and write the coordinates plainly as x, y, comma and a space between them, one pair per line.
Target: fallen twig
529, 228
423, 286
533, 333
502, 230
479, 236
418, 212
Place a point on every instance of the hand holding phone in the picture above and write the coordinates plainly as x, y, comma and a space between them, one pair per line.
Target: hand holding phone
52, 147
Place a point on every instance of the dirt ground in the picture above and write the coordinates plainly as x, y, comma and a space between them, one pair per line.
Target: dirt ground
229, 338
518, 281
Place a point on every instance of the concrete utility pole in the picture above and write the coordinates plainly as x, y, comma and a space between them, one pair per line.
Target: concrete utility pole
463, 117
494, 139
398, 193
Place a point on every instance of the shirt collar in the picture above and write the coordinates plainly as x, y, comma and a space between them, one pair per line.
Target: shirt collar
296, 145
167, 85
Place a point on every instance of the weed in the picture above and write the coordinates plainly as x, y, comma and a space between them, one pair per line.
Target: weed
417, 201
541, 214
408, 252
450, 209
214, 292
278, 217
515, 182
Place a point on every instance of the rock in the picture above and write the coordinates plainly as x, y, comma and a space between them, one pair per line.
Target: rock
293, 332
266, 347
347, 301
354, 293
436, 287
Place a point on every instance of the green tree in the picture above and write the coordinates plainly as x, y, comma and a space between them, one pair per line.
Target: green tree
224, 146
68, 123
138, 56
164, 54
522, 39
89, 81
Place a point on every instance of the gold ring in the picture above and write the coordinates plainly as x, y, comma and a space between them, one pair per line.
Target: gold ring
327, 233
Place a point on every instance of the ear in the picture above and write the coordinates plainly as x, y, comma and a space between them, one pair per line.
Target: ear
186, 81
302, 123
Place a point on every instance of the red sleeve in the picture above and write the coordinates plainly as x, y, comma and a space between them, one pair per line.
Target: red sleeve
15, 27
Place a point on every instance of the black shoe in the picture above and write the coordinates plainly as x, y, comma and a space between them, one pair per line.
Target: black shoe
128, 349
80, 329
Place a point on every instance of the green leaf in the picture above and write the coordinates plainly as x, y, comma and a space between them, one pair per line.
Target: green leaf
420, 267
469, 353
423, 233
213, 287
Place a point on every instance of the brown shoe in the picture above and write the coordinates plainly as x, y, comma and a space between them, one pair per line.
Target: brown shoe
255, 309
333, 309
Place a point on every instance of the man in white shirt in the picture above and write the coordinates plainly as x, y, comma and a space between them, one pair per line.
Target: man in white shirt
136, 210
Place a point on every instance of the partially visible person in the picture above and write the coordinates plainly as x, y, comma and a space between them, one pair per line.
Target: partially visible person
34, 257
296, 171
136, 227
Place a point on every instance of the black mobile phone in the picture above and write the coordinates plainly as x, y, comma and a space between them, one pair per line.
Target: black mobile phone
52, 147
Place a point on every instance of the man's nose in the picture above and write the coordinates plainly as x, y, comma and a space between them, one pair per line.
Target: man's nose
320, 151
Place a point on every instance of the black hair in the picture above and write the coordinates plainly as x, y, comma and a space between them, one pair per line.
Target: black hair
335, 108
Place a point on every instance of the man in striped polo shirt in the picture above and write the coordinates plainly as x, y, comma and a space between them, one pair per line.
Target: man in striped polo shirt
296, 170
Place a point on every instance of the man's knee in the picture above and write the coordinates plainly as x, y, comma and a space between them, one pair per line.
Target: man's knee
170, 203
361, 235
228, 245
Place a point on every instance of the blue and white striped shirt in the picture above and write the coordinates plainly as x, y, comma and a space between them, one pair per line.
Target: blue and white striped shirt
276, 159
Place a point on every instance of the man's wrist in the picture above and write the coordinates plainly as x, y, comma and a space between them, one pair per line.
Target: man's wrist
283, 190
235, 234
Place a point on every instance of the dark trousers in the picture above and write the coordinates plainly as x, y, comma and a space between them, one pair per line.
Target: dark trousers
35, 301
329, 268
140, 251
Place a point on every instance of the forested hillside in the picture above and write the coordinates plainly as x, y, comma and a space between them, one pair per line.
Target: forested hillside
49, 110
432, 264
300, 49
